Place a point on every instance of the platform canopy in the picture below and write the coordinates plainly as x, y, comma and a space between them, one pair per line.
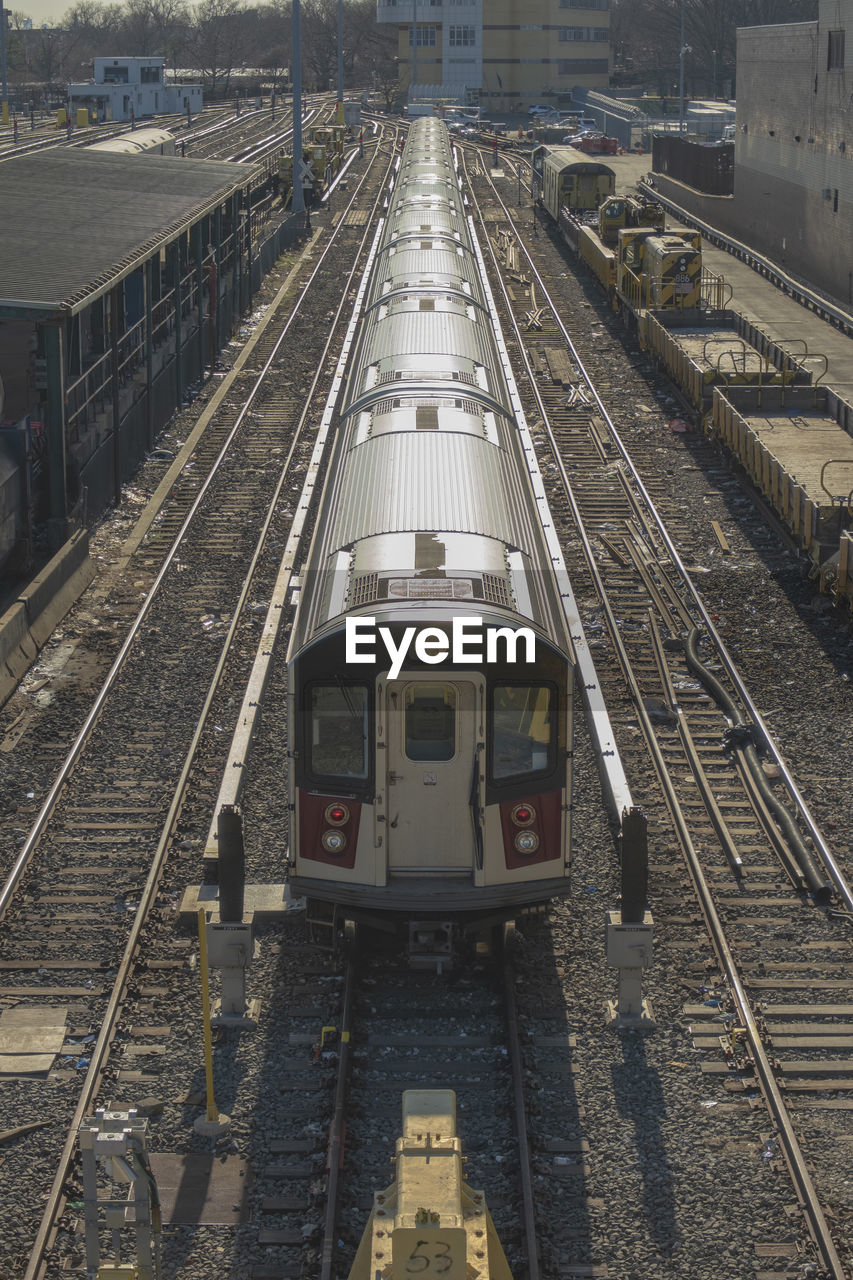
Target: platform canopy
76, 221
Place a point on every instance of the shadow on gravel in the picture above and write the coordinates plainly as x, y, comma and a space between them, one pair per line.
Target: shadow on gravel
639, 1098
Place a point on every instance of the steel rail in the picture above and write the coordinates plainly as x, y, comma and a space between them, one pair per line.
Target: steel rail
337, 1129
49, 1223
528, 1211
614, 782
794, 1157
842, 886
46, 811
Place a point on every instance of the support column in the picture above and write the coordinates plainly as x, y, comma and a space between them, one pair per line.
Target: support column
149, 353
176, 298
199, 284
235, 262
54, 428
217, 224
114, 379
249, 248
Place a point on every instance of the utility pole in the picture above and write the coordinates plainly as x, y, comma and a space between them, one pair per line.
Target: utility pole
340, 61
681, 74
414, 49
297, 203
4, 97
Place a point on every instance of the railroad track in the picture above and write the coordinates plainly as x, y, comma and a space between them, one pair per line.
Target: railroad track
736, 817
395, 1032
83, 889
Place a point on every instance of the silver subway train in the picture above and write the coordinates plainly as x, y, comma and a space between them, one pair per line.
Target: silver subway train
431, 676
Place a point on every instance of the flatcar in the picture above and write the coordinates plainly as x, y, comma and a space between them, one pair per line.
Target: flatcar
431, 676
151, 141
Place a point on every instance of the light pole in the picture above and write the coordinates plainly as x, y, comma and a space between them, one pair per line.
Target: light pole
340, 61
297, 201
4, 97
714, 74
414, 49
681, 48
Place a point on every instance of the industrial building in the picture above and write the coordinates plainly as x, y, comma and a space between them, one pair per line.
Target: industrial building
794, 144
121, 278
792, 186
128, 88
500, 54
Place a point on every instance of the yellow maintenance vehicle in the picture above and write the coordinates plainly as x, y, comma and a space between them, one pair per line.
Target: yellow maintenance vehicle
429, 1221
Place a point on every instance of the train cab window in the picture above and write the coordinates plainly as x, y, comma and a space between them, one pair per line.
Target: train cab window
338, 731
430, 715
522, 731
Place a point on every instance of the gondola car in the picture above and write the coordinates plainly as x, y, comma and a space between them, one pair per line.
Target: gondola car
430, 672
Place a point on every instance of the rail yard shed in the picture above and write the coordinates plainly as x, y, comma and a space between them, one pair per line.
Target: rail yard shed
120, 277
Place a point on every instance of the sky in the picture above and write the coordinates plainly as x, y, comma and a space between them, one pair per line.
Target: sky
40, 10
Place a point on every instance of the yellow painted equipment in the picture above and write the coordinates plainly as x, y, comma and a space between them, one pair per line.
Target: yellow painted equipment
83, 118
717, 348
429, 1221
659, 270
628, 211
793, 443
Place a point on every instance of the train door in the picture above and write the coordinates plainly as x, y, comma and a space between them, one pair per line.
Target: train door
433, 728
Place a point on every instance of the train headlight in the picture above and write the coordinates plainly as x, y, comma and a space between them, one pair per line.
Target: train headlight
527, 842
334, 841
523, 815
337, 815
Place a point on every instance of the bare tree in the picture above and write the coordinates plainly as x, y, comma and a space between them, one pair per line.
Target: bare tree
214, 42
648, 34
271, 44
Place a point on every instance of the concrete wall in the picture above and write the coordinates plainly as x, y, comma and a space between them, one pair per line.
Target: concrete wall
26, 625
793, 195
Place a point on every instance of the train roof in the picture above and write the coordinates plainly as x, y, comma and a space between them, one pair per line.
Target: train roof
427, 502
568, 158
134, 141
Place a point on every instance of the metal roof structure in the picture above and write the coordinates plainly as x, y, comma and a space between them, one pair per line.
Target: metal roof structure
76, 221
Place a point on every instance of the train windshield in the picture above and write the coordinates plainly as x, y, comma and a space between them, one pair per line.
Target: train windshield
338, 731
522, 730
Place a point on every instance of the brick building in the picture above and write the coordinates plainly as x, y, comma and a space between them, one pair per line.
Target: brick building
502, 54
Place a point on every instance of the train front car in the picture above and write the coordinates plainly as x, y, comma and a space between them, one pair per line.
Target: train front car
431, 679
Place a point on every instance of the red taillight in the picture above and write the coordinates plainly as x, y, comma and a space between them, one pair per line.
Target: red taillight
523, 814
337, 815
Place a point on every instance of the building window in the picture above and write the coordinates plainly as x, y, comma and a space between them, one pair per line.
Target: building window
584, 4
462, 37
149, 75
835, 51
582, 67
584, 33
426, 37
